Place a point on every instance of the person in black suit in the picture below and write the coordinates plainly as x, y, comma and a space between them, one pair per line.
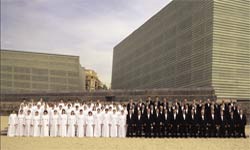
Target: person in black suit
175, 123
139, 124
202, 124
242, 121
130, 124
167, 123
232, 124
131, 104
193, 124
208, 108
158, 123
183, 124
148, 123
212, 124
222, 124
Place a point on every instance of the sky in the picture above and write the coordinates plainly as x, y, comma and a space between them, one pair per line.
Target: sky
86, 28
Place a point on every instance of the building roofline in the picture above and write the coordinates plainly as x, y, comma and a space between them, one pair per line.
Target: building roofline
41, 53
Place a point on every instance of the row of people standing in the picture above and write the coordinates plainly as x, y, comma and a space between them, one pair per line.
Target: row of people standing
80, 122
181, 119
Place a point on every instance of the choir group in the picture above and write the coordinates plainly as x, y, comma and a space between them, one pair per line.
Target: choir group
149, 118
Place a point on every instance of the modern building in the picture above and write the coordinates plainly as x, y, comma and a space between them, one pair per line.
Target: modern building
92, 80
29, 72
189, 43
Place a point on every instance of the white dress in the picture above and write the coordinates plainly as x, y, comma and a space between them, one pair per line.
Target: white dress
28, 129
80, 121
20, 125
98, 122
71, 128
114, 123
54, 125
12, 125
89, 128
63, 125
122, 125
36, 128
105, 127
45, 125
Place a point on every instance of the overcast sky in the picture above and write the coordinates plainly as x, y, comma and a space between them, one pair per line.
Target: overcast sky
86, 28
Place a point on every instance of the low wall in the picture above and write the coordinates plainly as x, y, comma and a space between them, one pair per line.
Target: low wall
11, 101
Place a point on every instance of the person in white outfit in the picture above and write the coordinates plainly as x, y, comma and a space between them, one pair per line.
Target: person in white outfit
28, 120
90, 125
98, 122
45, 124
63, 124
35, 124
105, 124
122, 124
20, 124
80, 122
54, 124
12, 123
114, 124
71, 122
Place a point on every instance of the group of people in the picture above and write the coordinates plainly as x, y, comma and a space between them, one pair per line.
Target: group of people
68, 119
207, 118
143, 118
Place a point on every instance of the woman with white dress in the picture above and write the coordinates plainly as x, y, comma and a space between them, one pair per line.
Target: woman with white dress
45, 124
122, 124
90, 125
28, 120
54, 124
105, 124
63, 124
20, 124
98, 122
80, 122
12, 124
71, 122
35, 124
114, 124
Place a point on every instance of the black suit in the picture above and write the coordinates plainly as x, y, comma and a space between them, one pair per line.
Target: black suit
131, 124
203, 125
167, 123
148, 122
158, 124
232, 126
183, 124
212, 125
193, 125
223, 125
139, 125
242, 121
175, 124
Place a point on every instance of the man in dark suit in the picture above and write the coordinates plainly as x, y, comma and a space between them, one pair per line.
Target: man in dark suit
131, 104
139, 124
183, 124
148, 123
232, 124
167, 123
130, 124
222, 124
193, 124
158, 123
175, 124
212, 124
242, 121
202, 124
